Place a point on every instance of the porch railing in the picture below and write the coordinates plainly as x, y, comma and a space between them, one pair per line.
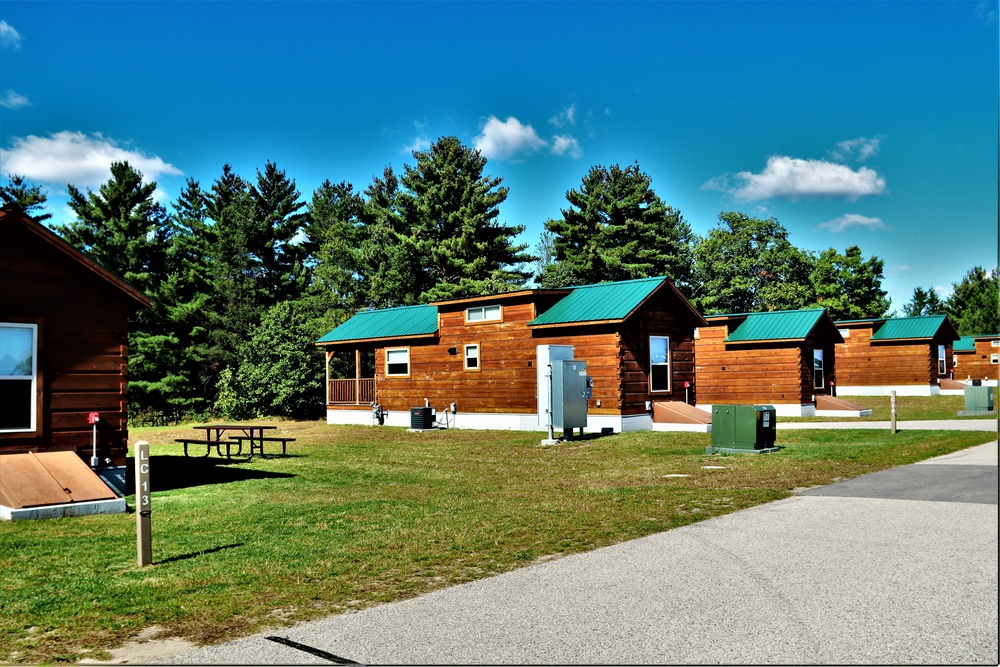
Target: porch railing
358, 391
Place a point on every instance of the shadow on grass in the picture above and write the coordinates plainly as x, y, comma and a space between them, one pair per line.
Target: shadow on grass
167, 473
195, 554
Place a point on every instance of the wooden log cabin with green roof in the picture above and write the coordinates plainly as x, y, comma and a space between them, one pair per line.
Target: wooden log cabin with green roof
908, 355
977, 358
482, 354
782, 358
64, 335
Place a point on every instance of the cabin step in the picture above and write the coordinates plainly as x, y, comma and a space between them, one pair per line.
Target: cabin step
675, 412
945, 383
831, 406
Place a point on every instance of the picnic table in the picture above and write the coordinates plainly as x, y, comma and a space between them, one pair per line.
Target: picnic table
251, 434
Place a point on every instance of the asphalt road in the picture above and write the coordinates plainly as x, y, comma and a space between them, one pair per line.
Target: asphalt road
895, 567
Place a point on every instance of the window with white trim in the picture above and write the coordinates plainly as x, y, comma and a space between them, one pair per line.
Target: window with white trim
472, 357
995, 343
942, 360
818, 370
995, 358
659, 363
397, 362
483, 314
18, 377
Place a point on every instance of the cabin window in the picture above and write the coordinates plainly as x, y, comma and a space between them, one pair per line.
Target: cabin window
659, 363
995, 358
942, 361
18, 376
472, 357
995, 343
818, 369
483, 314
397, 362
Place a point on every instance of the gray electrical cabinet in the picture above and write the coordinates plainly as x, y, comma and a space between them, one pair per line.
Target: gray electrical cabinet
570, 392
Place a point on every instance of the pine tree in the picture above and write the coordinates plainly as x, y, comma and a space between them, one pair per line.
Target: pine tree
618, 228
451, 209
29, 198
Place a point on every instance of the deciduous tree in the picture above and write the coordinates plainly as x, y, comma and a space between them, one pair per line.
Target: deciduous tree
847, 285
748, 265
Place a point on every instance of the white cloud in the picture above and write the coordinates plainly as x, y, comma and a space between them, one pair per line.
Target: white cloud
9, 37
566, 145
859, 149
986, 12
850, 220
12, 100
565, 117
793, 178
77, 158
418, 144
507, 139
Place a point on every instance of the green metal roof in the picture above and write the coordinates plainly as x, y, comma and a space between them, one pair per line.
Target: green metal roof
778, 325
388, 323
902, 328
599, 302
965, 344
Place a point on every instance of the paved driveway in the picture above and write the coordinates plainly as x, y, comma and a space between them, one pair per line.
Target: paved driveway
897, 567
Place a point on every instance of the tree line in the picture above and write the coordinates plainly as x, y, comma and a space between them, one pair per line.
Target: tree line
245, 274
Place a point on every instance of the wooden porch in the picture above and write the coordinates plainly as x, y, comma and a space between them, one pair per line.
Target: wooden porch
354, 391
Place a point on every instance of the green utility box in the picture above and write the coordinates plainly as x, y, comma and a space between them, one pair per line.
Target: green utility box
743, 428
979, 399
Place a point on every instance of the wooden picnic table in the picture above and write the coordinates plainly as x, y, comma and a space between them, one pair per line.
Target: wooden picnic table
253, 434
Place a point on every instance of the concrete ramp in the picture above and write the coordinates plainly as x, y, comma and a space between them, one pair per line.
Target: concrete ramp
51, 484
676, 416
831, 406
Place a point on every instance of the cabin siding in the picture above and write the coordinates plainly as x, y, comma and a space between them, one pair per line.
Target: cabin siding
506, 381
977, 364
861, 362
82, 346
762, 373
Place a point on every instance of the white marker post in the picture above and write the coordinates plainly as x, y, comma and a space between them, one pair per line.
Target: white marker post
143, 509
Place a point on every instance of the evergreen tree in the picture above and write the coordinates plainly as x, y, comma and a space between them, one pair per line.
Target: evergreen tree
974, 305
849, 287
29, 198
272, 235
389, 270
126, 231
748, 265
618, 228
451, 210
924, 302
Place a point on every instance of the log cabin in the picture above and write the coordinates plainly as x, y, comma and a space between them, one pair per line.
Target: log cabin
481, 362
977, 358
63, 345
908, 355
782, 358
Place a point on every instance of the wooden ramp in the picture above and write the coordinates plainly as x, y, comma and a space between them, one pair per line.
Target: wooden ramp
945, 383
831, 406
674, 412
49, 478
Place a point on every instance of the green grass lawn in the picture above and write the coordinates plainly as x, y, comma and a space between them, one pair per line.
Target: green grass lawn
907, 408
356, 516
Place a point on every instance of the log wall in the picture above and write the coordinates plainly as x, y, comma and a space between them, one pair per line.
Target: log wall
860, 362
976, 364
765, 373
82, 347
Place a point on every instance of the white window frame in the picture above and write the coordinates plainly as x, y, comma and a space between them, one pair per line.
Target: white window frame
474, 347
942, 359
33, 419
483, 314
665, 362
995, 358
995, 343
389, 352
819, 371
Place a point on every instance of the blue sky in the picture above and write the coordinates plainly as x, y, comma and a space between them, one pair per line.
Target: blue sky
853, 123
